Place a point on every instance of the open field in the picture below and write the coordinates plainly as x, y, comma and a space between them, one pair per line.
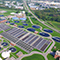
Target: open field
34, 57
1, 32
57, 44
50, 57
8, 11
54, 24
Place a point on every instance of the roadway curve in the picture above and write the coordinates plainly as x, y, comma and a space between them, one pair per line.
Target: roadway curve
34, 52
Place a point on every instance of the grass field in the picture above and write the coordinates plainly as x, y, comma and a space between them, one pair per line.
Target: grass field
8, 11
50, 57
34, 57
55, 24
1, 32
37, 50
57, 44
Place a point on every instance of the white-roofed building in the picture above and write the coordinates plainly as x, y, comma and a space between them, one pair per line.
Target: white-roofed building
19, 7
6, 4
34, 7
6, 54
23, 12
57, 54
13, 13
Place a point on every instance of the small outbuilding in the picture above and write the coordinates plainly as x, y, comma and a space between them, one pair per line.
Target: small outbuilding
13, 44
19, 54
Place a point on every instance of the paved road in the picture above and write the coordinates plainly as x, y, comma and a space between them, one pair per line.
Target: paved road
34, 52
39, 19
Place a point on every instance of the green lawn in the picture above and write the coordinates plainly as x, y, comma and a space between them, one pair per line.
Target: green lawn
37, 50
9, 29
34, 57
55, 24
57, 44
1, 49
8, 11
0, 40
50, 57
1, 32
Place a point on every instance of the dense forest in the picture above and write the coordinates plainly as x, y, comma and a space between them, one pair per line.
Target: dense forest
48, 14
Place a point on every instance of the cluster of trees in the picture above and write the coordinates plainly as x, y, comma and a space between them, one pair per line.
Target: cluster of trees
28, 14
48, 14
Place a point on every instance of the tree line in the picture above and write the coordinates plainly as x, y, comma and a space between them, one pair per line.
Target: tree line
48, 14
